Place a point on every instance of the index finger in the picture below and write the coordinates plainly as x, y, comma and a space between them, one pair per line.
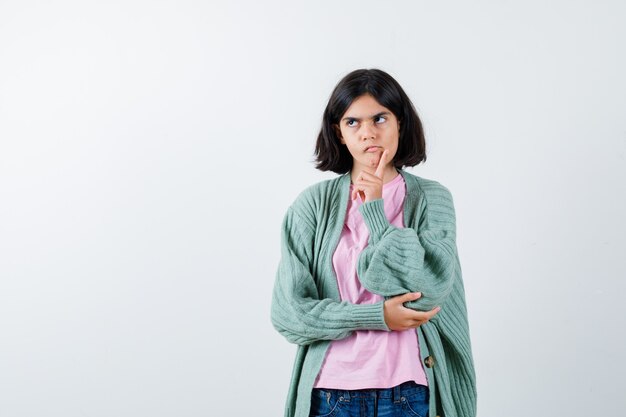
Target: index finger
381, 164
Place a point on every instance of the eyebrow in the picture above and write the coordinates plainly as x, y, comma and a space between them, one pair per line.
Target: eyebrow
382, 113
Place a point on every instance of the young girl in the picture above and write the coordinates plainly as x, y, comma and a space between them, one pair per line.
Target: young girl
369, 283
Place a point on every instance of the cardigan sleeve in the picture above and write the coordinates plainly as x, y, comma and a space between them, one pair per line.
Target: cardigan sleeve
297, 312
400, 260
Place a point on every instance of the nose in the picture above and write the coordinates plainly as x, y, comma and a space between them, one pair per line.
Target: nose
367, 131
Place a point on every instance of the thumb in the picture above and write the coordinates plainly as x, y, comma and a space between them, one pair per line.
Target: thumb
410, 296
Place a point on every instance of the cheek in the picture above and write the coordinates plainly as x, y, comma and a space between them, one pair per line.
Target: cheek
347, 139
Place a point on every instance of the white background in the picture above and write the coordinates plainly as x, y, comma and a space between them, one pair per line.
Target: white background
149, 149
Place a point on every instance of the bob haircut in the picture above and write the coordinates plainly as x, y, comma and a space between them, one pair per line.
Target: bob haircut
332, 155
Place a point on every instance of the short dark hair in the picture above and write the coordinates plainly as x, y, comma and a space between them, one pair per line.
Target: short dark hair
331, 155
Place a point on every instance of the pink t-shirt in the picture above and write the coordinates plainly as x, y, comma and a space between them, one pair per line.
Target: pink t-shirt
368, 358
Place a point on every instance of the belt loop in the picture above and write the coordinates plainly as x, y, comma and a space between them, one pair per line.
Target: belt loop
346, 395
396, 394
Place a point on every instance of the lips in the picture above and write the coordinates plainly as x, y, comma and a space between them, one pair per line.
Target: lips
372, 148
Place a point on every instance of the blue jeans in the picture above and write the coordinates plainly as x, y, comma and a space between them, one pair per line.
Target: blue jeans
408, 399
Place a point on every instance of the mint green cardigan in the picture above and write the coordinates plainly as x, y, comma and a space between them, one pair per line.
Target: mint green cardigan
307, 309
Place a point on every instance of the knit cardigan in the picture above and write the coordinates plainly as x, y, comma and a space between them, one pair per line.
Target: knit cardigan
306, 306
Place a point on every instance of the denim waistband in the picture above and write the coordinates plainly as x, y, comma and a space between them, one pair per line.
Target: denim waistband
402, 390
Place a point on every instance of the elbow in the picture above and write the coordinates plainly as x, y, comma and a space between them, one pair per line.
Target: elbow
292, 337
287, 332
296, 339
278, 324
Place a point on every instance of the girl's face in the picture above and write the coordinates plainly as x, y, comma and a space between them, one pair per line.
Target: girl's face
367, 129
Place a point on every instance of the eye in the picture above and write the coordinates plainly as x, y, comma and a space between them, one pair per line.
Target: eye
384, 119
350, 121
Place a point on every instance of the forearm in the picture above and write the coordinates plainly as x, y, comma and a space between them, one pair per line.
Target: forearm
307, 320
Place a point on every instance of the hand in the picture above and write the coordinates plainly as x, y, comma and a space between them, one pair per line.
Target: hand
370, 186
398, 317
